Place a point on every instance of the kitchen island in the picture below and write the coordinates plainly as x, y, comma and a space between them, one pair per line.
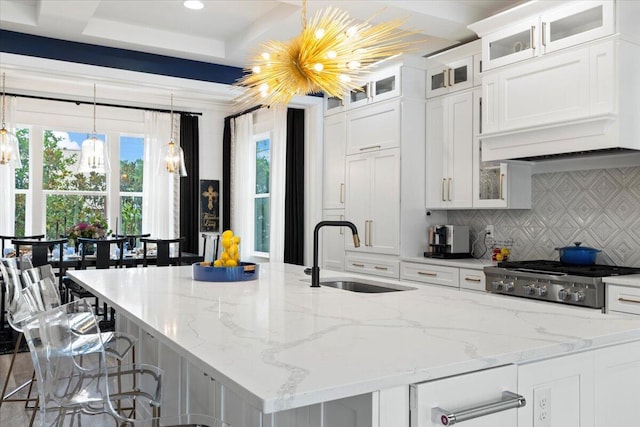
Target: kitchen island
274, 344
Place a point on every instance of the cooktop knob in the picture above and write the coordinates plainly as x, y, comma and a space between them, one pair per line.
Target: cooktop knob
578, 296
564, 294
509, 286
541, 291
529, 289
497, 285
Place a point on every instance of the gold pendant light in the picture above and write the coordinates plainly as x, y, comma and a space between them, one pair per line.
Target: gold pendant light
171, 155
330, 55
94, 156
9, 148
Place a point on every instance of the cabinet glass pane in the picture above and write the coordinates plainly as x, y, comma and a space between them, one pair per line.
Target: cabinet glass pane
386, 85
437, 81
508, 45
489, 182
460, 74
359, 95
576, 24
333, 102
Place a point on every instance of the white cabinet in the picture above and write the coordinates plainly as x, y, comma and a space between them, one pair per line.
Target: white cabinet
332, 241
623, 299
451, 77
335, 134
431, 274
379, 86
559, 28
559, 392
472, 280
379, 265
497, 185
373, 128
431, 400
333, 104
372, 200
449, 151
617, 375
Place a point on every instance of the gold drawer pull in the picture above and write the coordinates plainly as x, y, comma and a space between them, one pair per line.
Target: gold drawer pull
472, 279
422, 273
371, 147
357, 265
635, 301
377, 267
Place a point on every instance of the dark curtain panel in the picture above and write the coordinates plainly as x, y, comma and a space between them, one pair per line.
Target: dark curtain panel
190, 184
226, 174
294, 199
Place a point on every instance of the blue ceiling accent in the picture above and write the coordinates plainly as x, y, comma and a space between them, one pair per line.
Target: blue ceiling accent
84, 53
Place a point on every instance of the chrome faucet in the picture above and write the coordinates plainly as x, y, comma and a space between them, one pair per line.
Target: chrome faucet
315, 270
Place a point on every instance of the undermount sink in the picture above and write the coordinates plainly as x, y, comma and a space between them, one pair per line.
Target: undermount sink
362, 285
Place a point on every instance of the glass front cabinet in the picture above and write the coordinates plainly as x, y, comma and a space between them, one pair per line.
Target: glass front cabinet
450, 77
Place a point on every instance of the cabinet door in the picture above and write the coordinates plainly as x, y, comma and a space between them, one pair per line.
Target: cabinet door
386, 84
384, 220
466, 391
437, 83
616, 393
335, 134
435, 154
375, 127
459, 148
332, 105
360, 96
582, 21
451, 77
358, 195
333, 241
512, 44
559, 392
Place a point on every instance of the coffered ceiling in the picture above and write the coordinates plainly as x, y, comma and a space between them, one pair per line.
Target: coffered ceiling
227, 32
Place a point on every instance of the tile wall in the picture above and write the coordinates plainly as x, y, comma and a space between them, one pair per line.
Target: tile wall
600, 208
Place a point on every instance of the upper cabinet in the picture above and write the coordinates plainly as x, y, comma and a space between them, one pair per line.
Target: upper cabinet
561, 27
381, 85
373, 128
333, 104
451, 77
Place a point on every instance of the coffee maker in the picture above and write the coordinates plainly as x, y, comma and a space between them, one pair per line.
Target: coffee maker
448, 241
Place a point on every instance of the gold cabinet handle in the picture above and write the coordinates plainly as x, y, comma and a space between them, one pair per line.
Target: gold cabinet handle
369, 231
532, 35
544, 36
377, 267
341, 193
472, 279
634, 301
357, 265
450, 79
369, 94
449, 190
445, 77
371, 147
422, 273
444, 181
501, 186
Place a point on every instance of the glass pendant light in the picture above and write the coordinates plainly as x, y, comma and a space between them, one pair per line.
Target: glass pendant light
171, 155
93, 154
9, 149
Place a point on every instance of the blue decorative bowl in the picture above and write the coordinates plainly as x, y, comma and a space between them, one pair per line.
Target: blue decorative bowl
243, 272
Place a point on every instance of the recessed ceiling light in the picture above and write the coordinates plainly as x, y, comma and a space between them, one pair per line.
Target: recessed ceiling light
193, 4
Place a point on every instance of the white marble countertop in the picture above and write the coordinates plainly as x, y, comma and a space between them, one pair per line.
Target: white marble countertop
280, 344
629, 280
471, 263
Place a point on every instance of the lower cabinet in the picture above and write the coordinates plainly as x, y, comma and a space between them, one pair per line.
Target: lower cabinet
431, 274
623, 300
374, 265
472, 280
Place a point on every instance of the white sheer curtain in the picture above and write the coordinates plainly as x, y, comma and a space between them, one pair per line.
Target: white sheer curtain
278, 174
159, 209
7, 180
242, 173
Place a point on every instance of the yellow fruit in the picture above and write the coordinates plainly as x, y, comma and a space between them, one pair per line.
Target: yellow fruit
227, 234
499, 257
227, 241
236, 240
217, 263
224, 256
232, 250
505, 251
231, 263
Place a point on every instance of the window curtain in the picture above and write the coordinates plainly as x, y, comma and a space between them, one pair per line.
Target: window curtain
7, 180
226, 174
294, 202
277, 190
190, 184
242, 148
160, 210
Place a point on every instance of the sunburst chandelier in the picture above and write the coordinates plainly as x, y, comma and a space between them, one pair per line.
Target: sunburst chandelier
330, 55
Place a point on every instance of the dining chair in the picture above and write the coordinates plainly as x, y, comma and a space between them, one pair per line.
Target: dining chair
132, 239
163, 253
4, 238
73, 382
39, 248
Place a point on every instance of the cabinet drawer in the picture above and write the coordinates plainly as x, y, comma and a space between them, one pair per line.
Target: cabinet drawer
473, 280
375, 127
433, 274
461, 392
625, 299
375, 266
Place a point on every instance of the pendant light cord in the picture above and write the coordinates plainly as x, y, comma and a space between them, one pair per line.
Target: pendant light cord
4, 107
94, 110
171, 140
304, 14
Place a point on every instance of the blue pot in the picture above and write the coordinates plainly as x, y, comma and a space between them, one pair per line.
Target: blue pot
578, 255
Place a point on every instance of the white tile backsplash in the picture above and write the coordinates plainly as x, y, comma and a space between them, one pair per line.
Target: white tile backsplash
600, 208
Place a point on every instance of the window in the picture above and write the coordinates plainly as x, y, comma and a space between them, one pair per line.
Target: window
261, 213
131, 168
22, 182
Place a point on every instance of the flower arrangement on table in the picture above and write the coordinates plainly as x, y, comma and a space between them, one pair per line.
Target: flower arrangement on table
95, 229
